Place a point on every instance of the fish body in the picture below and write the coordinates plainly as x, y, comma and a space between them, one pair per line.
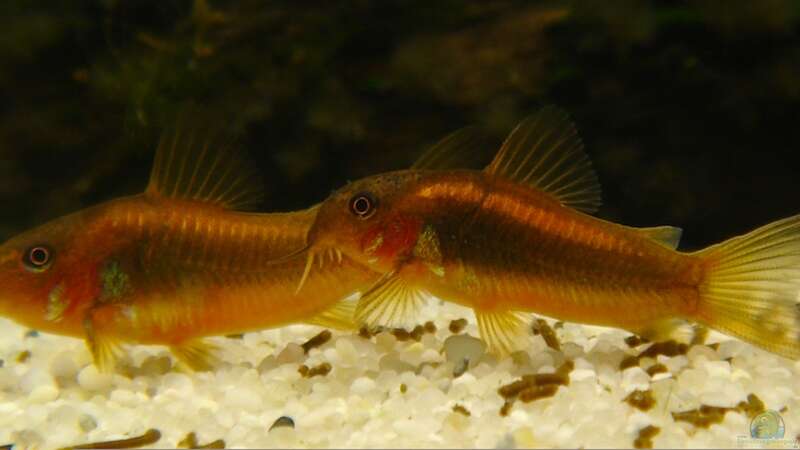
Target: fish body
518, 238
493, 245
171, 266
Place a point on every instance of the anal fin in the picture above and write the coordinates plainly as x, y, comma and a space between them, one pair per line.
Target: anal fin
197, 354
663, 330
340, 316
390, 302
503, 331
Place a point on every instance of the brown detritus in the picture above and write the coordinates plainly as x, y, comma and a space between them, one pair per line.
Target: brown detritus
461, 410
7, 447
540, 326
430, 327
233, 336
558, 325
364, 332
714, 346
460, 367
784, 410
403, 388
705, 416
321, 370
535, 387
190, 441
642, 400
403, 335
320, 339
417, 332
629, 361
283, 421
702, 417
645, 437
150, 436
656, 368
457, 326
537, 392
635, 340
23, 356
752, 407
667, 348
506, 408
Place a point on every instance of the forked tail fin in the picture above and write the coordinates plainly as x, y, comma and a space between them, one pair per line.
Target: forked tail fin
752, 287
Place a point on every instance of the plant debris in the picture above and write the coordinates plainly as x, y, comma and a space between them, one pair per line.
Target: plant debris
320, 339
461, 410
321, 370
457, 326
540, 326
642, 400
705, 415
282, 422
645, 438
150, 436
535, 387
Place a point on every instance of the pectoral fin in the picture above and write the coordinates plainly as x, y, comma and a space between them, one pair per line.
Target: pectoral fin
340, 316
503, 331
390, 302
105, 349
197, 354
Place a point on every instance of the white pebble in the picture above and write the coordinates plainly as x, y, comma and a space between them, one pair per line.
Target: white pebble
635, 379
362, 385
43, 394
92, 380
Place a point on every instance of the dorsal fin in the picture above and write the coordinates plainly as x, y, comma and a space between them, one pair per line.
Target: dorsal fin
193, 164
665, 235
461, 149
545, 152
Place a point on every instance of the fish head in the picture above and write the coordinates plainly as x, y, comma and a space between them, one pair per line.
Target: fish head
49, 273
368, 221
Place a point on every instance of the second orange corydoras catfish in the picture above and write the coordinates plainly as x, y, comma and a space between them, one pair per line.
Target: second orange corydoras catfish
172, 265
518, 237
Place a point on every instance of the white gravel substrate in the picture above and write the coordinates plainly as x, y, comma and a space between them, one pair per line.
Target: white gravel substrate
56, 398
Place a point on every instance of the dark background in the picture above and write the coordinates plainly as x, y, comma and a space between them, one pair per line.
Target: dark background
690, 110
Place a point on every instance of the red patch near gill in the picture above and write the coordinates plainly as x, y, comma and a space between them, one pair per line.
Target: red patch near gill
394, 238
81, 288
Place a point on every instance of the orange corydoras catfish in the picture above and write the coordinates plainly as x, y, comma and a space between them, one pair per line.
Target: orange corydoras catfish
517, 237
172, 265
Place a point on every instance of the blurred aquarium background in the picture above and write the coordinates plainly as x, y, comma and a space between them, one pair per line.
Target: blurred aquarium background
689, 110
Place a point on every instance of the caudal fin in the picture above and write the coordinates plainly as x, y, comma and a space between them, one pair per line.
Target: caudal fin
752, 287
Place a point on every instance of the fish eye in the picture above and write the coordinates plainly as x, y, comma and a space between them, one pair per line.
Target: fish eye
363, 205
38, 257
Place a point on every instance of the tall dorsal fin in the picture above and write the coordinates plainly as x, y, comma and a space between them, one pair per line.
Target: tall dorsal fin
461, 149
192, 164
544, 151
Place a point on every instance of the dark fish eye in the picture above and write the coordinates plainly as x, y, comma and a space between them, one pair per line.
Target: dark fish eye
38, 257
363, 205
